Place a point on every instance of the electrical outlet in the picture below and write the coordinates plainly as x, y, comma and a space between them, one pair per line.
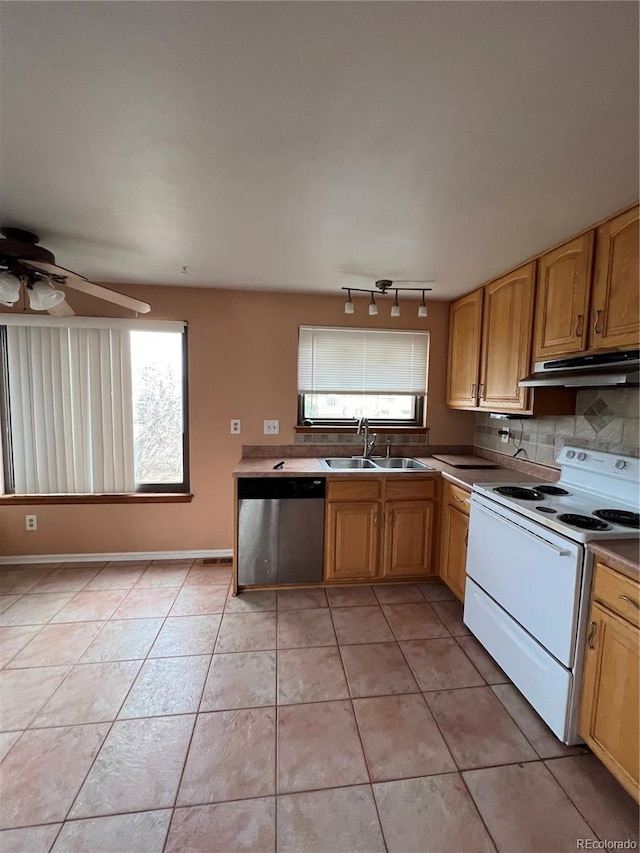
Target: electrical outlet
272, 427
504, 436
31, 522
236, 426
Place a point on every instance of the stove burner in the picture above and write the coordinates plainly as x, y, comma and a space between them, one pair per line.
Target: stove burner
586, 522
546, 509
552, 490
619, 516
519, 492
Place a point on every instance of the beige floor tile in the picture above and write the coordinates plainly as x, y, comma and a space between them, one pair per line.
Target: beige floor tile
42, 774
116, 577
55, 645
186, 635
167, 686
128, 564
199, 601
67, 579
602, 801
96, 565
142, 832
310, 675
248, 602
361, 625
232, 757
7, 600
7, 740
34, 839
146, 602
301, 599
163, 576
24, 691
440, 664
400, 738
539, 735
414, 621
318, 747
398, 593
350, 596
482, 661
14, 638
90, 606
342, 819
477, 729
209, 575
17, 581
247, 632
451, 614
436, 592
35, 608
305, 628
240, 680
525, 809
91, 693
138, 767
123, 639
377, 669
431, 815
243, 826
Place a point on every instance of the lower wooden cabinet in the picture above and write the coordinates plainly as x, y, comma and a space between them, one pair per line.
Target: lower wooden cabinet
609, 719
455, 533
379, 528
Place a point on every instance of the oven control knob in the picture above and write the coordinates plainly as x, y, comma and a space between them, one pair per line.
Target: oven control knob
581, 456
619, 464
570, 454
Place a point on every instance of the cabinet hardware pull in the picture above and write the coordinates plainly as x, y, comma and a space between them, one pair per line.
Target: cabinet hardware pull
473, 391
375, 520
630, 600
457, 499
592, 634
466, 538
597, 327
579, 326
481, 391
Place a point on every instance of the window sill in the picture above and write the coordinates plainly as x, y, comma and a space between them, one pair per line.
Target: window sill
129, 498
398, 430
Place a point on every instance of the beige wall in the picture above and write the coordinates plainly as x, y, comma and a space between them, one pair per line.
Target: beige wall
242, 364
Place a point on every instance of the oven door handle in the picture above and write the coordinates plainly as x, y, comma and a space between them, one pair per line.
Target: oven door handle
561, 552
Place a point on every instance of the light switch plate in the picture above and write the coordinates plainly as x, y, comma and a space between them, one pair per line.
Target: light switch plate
272, 427
236, 426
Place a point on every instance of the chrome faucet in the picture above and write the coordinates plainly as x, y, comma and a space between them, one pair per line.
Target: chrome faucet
368, 443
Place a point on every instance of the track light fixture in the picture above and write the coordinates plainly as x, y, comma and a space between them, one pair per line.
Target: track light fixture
384, 285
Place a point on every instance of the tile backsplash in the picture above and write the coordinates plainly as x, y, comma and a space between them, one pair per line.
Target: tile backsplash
605, 419
353, 438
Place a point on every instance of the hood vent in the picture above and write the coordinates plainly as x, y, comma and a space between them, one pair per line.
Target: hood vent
601, 370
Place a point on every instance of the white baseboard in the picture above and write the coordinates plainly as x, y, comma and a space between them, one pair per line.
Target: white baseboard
121, 556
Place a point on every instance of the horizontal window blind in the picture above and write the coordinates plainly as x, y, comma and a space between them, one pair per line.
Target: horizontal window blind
20, 319
365, 361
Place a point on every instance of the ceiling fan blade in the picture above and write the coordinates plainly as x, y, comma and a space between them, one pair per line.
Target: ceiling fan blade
78, 282
62, 310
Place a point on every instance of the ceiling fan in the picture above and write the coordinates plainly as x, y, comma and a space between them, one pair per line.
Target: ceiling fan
24, 262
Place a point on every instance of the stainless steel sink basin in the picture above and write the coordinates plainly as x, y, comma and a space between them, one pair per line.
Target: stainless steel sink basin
343, 462
404, 463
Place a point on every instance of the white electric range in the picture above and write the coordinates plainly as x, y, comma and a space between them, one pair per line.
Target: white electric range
529, 572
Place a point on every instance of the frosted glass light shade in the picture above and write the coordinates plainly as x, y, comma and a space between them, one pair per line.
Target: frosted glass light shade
422, 311
9, 289
348, 307
373, 309
395, 310
43, 295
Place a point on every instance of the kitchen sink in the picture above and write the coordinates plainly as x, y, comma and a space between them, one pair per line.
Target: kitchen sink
342, 463
404, 463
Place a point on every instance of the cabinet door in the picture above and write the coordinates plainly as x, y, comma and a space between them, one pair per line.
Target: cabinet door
465, 321
609, 708
507, 323
455, 532
407, 540
615, 315
351, 540
562, 299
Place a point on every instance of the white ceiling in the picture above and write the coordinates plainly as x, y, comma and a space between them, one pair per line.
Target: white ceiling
309, 145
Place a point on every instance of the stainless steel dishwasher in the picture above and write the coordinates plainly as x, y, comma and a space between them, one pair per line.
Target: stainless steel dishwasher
280, 530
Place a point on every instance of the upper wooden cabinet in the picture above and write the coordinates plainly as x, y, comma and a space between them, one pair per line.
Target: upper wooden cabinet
615, 313
507, 328
465, 325
562, 299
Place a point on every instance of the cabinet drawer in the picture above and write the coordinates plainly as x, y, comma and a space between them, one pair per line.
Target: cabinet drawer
457, 497
354, 490
617, 592
410, 489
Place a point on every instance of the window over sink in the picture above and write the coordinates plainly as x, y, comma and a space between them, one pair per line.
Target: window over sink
347, 374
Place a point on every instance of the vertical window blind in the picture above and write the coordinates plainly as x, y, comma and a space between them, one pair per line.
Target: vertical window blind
365, 361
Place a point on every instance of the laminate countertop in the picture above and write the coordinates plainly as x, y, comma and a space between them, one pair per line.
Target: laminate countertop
621, 554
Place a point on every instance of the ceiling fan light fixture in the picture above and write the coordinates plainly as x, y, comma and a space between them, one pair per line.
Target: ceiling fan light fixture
9, 289
45, 295
348, 305
395, 308
373, 308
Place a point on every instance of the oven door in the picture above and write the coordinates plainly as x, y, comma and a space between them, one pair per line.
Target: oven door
533, 573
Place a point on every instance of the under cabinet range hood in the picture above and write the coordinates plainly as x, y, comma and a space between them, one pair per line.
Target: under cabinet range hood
599, 370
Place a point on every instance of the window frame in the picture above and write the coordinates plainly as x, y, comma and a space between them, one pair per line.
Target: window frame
417, 421
182, 488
